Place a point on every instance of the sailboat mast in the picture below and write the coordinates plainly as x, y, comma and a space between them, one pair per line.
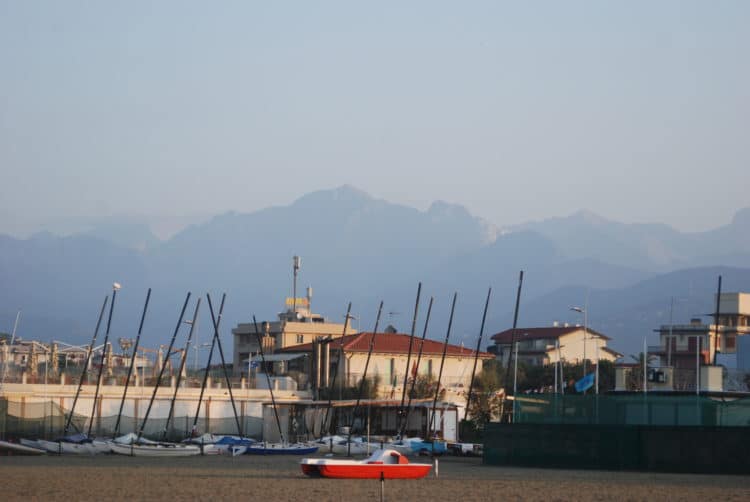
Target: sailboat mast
408, 356
440, 373
216, 322
414, 380
364, 377
340, 362
132, 363
268, 379
163, 366
208, 366
515, 324
86, 364
182, 367
115, 287
476, 354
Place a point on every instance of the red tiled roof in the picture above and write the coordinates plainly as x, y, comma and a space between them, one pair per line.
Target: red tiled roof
536, 333
392, 343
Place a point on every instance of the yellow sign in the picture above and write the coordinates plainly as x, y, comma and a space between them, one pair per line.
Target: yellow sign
301, 302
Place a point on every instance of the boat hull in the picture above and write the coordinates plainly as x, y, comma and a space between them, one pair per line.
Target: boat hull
19, 449
279, 449
385, 464
65, 448
159, 450
375, 471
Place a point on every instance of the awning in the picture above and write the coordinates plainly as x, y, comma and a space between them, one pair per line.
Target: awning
275, 357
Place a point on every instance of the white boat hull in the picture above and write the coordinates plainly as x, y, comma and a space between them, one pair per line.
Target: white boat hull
20, 449
159, 450
356, 448
65, 448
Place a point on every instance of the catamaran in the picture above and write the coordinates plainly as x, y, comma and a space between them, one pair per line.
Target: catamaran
283, 447
137, 447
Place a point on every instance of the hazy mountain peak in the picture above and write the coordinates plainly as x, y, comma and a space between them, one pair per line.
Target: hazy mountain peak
742, 217
442, 208
344, 193
442, 211
589, 217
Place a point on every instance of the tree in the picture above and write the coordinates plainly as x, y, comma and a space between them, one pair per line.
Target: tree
424, 387
487, 395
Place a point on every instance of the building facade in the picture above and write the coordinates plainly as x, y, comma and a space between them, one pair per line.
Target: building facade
297, 325
679, 344
542, 346
388, 362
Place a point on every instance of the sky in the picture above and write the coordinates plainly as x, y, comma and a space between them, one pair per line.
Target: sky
173, 111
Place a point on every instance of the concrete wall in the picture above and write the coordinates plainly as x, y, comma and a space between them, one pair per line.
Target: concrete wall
216, 414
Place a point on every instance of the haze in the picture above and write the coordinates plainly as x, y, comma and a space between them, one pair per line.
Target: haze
169, 112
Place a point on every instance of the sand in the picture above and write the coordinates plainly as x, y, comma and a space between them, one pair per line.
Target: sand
113, 477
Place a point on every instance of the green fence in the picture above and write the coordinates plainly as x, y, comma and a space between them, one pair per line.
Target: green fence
632, 409
662, 432
722, 450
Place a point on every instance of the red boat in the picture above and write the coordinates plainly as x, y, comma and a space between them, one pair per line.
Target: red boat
389, 464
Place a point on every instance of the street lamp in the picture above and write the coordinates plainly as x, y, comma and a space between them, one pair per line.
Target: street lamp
196, 347
584, 311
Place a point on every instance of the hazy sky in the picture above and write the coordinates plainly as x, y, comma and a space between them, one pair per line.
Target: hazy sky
639, 111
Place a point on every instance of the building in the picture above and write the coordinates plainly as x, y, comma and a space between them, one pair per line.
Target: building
542, 346
680, 343
388, 362
296, 325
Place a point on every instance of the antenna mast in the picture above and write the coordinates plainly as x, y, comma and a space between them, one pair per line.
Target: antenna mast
296, 262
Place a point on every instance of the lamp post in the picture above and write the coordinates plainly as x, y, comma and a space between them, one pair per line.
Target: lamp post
196, 347
584, 311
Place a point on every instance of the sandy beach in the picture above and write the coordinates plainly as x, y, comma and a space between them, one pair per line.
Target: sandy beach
113, 477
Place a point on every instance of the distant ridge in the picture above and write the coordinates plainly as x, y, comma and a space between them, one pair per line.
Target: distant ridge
362, 249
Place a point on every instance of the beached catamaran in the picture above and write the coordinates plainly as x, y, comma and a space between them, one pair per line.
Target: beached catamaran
78, 444
283, 447
134, 444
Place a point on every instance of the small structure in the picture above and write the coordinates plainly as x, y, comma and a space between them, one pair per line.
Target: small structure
548, 345
296, 325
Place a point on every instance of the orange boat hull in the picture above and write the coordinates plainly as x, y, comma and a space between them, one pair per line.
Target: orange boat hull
368, 471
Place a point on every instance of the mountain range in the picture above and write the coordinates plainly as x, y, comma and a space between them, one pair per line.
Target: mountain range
360, 249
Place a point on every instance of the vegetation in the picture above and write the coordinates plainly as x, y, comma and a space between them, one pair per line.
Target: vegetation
487, 397
369, 390
424, 387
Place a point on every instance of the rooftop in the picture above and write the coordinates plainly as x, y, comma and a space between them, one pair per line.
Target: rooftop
551, 332
392, 343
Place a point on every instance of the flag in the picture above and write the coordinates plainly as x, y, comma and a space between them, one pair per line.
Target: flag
585, 383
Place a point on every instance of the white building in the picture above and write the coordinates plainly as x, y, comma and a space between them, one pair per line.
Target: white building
542, 346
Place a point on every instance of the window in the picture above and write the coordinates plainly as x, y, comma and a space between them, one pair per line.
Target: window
300, 338
429, 367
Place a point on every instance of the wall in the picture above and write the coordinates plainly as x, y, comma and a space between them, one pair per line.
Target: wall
216, 414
